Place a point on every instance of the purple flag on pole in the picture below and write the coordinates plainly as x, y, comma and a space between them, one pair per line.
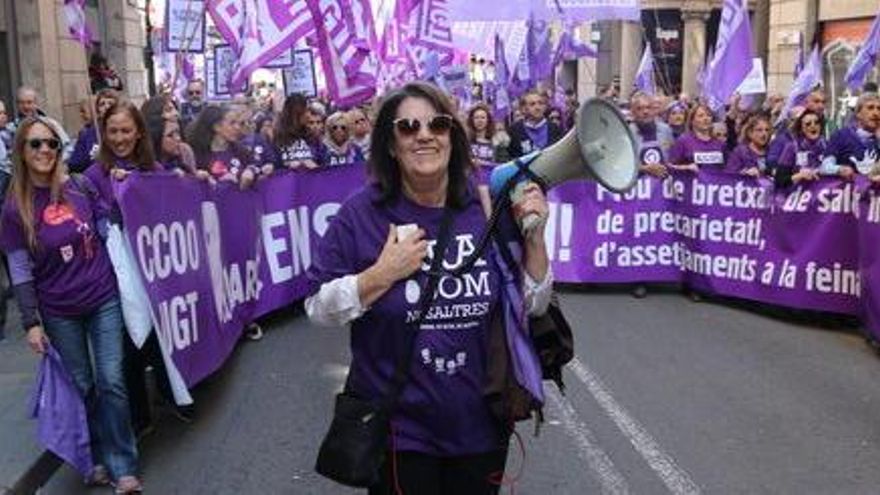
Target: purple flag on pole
348, 84
809, 78
733, 53
540, 51
75, 16
866, 59
570, 49
502, 77
644, 81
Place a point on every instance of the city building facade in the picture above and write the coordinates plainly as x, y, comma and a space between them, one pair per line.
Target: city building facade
37, 50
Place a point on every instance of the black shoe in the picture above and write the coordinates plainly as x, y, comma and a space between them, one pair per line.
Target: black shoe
640, 291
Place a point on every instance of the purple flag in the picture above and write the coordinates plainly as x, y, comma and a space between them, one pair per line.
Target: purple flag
75, 16
501, 104
349, 84
809, 78
866, 59
570, 49
644, 81
733, 51
540, 51
62, 424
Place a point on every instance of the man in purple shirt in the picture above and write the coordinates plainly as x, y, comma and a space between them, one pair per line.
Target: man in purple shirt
855, 149
534, 132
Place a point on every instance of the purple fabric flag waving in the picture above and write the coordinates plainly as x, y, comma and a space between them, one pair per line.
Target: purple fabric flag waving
75, 16
570, 49
540, 51
502, 78
809, 78
733, 53
866, 59
349, 84
799, 57
644, 81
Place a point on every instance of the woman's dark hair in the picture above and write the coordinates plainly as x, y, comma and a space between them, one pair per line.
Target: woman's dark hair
142, 156
155, 130
797, 126
200, 134
490, 122
291, 123
154, 107
384, 168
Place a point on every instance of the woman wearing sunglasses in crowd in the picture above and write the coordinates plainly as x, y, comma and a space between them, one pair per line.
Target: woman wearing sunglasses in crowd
214, 137
295, 148
51, 230
339, 147
749, 157
697, 147
368, 274
803, 154
86, 149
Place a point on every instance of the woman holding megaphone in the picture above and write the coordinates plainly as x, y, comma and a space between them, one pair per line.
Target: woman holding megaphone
424, 336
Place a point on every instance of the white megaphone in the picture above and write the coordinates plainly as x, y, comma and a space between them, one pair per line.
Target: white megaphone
601, 147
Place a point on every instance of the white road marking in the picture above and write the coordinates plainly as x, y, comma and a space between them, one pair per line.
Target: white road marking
676, 479
587, 447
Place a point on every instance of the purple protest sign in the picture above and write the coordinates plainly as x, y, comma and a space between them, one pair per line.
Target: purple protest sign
215, 258
169, 242
296, 210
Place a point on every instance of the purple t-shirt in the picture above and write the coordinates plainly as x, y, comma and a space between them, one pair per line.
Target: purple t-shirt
483, 151
298, 150
71, 269
691, 149
852, 143
335, 157
803, 153
442, 410
102, 181
224, 162
744, 157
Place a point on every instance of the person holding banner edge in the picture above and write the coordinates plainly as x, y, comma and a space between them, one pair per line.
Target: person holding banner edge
367, 274
51, 230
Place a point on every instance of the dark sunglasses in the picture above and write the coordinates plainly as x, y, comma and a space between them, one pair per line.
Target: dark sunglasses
811, 122
438, 124
36, 144
195, 93
339, 127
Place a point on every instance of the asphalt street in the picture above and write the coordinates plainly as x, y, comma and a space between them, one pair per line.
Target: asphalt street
665, 396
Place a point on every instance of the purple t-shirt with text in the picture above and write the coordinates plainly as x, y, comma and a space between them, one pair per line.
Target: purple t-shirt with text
691, 149
71, 268
743, 157
803, 153
442, 410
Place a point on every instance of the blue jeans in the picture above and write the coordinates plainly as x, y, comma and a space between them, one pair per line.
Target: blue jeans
106, 398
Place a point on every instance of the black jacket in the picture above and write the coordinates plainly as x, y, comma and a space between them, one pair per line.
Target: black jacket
520, 144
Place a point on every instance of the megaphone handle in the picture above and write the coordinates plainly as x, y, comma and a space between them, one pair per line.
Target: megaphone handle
530, 221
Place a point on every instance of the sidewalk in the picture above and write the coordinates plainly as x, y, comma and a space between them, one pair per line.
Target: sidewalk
18, 366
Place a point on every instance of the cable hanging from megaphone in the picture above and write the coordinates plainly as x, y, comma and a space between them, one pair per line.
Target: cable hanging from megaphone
601, 147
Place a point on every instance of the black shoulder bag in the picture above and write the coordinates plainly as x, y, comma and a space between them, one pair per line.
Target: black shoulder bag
353, 451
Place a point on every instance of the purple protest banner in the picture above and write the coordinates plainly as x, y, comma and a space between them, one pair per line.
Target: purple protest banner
296, 210
169, 242
869, 259
594, 235
214, 258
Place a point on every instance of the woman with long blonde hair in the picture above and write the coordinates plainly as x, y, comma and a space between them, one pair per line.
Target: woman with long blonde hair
50, 229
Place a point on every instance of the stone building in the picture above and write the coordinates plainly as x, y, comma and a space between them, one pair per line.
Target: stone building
37, 50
